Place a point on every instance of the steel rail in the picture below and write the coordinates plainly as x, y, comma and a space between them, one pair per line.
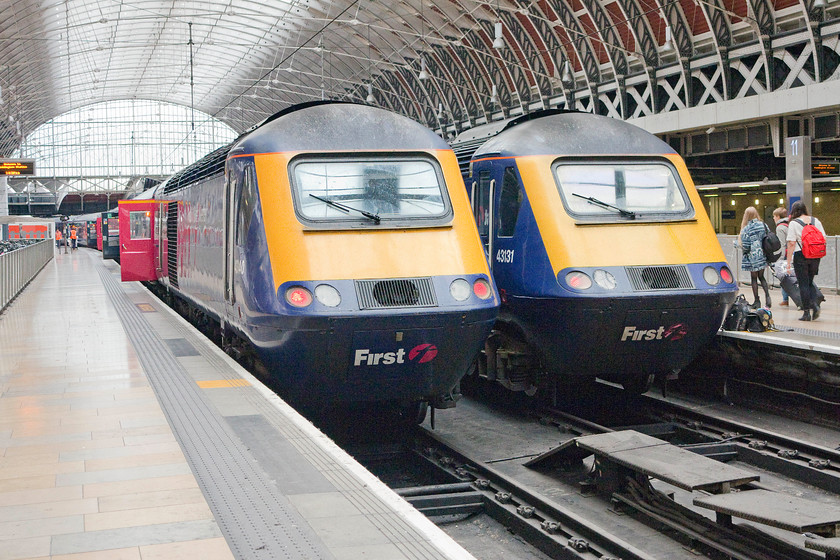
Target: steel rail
547, 525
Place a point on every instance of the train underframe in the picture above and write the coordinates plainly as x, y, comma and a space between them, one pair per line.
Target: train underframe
548, 345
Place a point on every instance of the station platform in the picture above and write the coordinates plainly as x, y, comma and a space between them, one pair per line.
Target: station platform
126, 435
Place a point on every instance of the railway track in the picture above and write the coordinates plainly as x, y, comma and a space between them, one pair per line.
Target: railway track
562, 532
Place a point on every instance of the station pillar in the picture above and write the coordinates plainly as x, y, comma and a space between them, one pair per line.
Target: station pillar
798, 170
4, 196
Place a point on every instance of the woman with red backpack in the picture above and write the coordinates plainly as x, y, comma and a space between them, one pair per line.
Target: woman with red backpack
805, 248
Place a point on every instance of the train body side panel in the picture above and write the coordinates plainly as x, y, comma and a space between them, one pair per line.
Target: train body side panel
297, 254
201, 242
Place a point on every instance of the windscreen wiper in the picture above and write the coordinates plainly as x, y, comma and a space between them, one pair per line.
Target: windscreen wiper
626, 213
346, 209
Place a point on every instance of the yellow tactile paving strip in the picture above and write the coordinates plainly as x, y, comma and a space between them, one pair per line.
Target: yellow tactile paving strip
221, 383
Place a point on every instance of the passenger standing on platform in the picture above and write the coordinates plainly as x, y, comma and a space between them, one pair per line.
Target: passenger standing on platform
780, 217
805, 268
73, 237
753, 231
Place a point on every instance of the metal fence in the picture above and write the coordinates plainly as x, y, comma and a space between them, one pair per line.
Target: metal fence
19, 267
829, 266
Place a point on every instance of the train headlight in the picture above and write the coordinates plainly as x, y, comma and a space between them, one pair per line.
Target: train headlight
460, 289
710, 275
604, 279
327, 295
726, 274
481, 288
298, 296
578, 280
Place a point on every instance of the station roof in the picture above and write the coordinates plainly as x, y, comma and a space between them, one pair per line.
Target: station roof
242, 60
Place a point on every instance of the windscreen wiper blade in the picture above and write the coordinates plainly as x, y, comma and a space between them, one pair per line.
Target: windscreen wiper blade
626, 213
344, 208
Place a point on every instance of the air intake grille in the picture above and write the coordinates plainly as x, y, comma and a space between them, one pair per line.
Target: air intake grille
660, 278
405, 292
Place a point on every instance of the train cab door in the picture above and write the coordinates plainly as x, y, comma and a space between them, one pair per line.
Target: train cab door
138, 247
507, 201
481, 198
99, 233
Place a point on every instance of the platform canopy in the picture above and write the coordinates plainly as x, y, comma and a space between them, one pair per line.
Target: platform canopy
450, 64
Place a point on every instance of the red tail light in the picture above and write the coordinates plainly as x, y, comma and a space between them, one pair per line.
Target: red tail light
298, 296
481, 288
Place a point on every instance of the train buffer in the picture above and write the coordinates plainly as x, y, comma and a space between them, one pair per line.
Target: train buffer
631, 452
777, 510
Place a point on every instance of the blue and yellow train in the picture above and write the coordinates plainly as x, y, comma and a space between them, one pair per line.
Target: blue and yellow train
606, 262
334, 242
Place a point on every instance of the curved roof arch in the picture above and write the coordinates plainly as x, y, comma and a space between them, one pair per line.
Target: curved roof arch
242, 60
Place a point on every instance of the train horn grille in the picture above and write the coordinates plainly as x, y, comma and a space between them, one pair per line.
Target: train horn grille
660, 278
405, 292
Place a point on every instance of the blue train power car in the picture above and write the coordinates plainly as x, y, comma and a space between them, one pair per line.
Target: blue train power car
334, 242
605, 259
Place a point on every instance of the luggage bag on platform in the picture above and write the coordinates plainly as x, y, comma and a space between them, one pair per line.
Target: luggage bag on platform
791, 286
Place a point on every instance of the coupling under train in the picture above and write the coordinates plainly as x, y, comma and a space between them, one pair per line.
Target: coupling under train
335, 242
606, 262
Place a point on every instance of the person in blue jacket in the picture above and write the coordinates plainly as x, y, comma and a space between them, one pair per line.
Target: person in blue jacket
753, 231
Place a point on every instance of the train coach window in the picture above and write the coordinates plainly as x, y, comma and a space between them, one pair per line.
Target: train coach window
510, 200
140, 225
369, 191
622, 189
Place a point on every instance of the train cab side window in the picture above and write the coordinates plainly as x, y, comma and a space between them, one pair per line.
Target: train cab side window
140, 225
510, 200
247, 201
481, 204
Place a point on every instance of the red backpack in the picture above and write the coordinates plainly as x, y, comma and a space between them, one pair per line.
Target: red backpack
813, 241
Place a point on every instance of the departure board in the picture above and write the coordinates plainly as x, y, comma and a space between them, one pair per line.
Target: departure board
824, 168
17, 167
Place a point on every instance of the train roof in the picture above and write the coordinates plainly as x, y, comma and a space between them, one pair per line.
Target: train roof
557, 132
311, 127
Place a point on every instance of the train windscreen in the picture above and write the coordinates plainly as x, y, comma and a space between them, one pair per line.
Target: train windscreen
622, 189
369, 190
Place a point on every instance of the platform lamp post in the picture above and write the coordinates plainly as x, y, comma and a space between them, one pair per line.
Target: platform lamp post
64, 220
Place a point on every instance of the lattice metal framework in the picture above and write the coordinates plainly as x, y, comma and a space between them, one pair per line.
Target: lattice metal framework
241, 60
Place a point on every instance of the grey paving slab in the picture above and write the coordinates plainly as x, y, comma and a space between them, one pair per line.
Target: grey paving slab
114, 475
324, 504
114, 452
355, 530
163, 533
45, 527
43, 440
371, 552
20, 549
290, 470
180, 347
230, 401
